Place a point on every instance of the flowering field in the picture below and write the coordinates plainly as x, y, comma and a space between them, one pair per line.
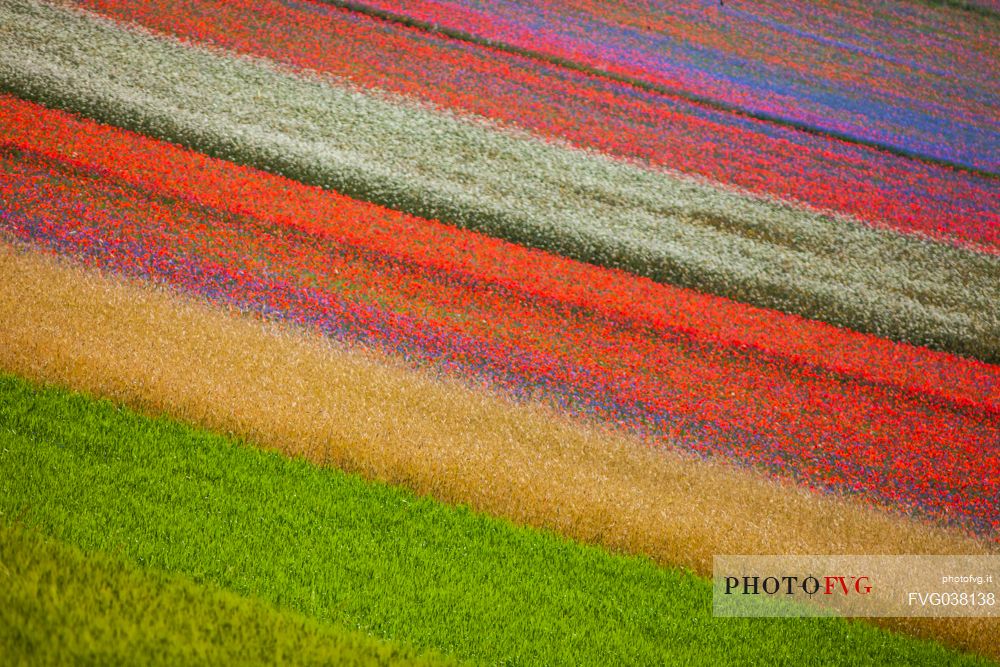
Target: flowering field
593, 112
619, 272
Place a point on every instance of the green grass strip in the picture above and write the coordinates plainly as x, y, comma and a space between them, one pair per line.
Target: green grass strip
59, 605
373, 557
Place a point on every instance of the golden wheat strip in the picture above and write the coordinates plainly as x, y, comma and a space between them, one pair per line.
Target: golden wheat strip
304, 395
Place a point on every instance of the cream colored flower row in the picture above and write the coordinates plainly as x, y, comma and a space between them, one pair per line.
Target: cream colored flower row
503, 182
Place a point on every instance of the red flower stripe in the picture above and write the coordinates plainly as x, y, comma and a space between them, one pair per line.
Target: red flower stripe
194, 177
903, 76
466, 301
588, 111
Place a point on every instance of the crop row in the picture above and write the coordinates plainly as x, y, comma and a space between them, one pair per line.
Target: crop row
902, 77
334, 547
158, 167
341, 406
794, 419
593, 112
61, 605
467, 173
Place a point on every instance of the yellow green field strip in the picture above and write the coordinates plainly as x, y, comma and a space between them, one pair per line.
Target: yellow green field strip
338, 548
60, 605
302, 395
